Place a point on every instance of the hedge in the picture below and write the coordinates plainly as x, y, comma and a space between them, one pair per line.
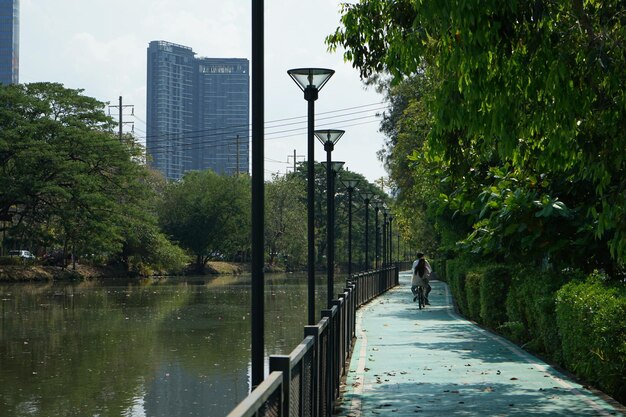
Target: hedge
456, 269
578, 323
494, 286
530, 309
472, 294
591, 317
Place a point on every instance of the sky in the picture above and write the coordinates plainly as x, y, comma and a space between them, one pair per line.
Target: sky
101, 47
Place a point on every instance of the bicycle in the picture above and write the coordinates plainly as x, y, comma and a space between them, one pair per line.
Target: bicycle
418, 295
421, 299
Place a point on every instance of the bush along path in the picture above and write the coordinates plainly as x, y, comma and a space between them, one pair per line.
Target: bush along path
432, 362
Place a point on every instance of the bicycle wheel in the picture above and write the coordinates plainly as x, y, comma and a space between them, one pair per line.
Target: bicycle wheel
420, 297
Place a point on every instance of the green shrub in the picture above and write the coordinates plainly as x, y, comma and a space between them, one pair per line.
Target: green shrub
494, 286
472, 292
456, 269
591, 318
439, 267
531, 302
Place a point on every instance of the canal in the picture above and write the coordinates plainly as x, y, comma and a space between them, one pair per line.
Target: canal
168, 347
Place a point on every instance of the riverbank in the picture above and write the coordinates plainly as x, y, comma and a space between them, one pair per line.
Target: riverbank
19, 273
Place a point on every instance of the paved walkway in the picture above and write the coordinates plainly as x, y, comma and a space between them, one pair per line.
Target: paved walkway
431, 362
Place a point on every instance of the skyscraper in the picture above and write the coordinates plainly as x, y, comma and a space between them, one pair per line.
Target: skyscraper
197, 111
9, 41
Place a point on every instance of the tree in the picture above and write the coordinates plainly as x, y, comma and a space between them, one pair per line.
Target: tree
534, 88
208, 214
285, 222
66, 178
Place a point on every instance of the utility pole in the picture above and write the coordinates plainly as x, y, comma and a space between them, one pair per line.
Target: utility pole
237, 142
294, 156
120, 120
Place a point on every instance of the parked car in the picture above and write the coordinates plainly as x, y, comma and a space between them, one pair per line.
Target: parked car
23, 254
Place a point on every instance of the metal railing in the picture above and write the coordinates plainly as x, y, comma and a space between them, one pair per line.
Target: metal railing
404, 265
307, 381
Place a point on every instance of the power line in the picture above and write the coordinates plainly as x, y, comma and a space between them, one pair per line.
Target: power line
207, 142
210, 141
232, 128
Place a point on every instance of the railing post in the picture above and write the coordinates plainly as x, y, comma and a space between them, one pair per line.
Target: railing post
282, 364
330, 359
315, 371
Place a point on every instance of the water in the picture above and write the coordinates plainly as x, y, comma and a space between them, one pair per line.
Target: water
172, 347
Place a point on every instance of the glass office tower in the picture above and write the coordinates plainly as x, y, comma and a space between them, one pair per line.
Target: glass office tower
197, 111
9, 41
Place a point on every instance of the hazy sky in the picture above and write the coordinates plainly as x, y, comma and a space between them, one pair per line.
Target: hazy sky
100, 46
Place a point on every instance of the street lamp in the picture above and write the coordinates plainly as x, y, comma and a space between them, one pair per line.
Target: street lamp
367, 196
311, 81
377, 207
332, 167
385, 214
390, 239
350, 186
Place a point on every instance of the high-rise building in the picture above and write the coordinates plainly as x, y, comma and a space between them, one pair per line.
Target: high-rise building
9, 41
197, 111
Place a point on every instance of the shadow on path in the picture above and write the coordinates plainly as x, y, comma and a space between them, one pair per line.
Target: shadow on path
432, 362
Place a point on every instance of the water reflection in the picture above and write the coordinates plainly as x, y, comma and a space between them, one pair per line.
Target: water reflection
171, 347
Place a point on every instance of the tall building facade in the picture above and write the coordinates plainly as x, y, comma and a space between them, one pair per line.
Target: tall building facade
9, 41
197, 111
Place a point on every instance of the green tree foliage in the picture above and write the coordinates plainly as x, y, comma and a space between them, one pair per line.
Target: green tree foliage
527, 111
341, 214
285, 221
67, 180
208, 214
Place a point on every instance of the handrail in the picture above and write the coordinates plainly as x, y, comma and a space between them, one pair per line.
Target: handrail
306, 382
258, 403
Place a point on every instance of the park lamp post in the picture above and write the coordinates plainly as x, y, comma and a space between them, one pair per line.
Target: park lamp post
367, 196
328, 138
377, 207
390, 239
311, 81
385, 214
332, 167
350, 187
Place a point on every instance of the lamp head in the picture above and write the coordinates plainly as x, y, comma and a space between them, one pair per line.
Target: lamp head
335, 166
367, 195
310, 80
350, 184
328, 137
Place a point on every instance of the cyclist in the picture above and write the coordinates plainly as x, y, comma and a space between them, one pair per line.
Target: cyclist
421, 273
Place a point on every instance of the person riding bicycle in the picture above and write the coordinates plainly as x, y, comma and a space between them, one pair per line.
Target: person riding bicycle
421, 273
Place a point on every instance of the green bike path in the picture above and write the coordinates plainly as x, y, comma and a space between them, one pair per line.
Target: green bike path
432, 362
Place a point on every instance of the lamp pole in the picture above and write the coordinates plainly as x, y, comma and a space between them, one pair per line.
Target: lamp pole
328, 138
258, 200
350, 186
390, 240
311, 81
335, 166
385, 213
377, 206
367, 195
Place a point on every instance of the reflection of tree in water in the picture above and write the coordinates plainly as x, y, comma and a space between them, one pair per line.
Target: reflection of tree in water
166, 347
71, 351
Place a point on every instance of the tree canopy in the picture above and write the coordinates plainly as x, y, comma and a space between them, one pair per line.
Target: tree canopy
67, 180
525, 111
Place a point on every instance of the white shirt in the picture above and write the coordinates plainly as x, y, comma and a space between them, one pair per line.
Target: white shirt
416, 279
